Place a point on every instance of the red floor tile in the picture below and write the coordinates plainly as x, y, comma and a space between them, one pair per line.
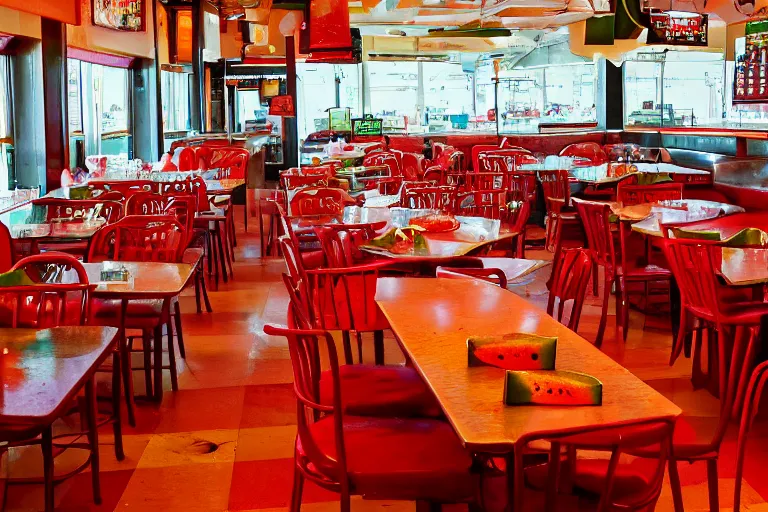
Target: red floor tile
201, 409
269, 406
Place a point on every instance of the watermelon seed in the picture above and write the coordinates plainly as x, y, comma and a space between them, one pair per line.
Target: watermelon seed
536, 387
549, 391
560, 391
501, 356
534, 356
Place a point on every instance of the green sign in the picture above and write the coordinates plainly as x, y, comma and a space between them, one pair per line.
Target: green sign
338, 119
367, 127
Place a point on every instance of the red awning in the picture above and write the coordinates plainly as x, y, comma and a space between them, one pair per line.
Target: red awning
67, 11
105, 59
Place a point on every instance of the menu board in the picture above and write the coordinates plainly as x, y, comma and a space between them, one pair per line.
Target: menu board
367, 127
677, 27
749, 84
125, 15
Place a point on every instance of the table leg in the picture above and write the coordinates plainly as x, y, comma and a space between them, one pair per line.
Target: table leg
158, 364
93, 438
125, 359
117, 427
515, 483
46, 444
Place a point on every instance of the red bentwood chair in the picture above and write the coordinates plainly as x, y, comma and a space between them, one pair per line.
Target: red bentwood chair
614, 482
589, 150
491, 275
141, 238
570, 277
695, 265
57, 294
320, 201
378, 458
386, 158
440, 198
368, 390
557, 197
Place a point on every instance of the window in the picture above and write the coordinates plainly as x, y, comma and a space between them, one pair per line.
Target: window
394, 89
681, 89
175, 94
320, 87
99, 111
447, 96
552, 94
6, 125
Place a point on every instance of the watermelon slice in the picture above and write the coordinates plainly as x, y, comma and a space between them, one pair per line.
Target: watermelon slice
552, 388
513, 351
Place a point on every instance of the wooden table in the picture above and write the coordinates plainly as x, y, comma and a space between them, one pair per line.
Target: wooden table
695, 210
744, 267
42, 373
432, 320
729, 225
148, 280
223, 186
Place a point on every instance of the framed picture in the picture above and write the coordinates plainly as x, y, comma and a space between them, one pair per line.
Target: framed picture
123, 15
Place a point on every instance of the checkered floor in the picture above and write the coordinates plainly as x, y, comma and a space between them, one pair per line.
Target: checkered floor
225, 440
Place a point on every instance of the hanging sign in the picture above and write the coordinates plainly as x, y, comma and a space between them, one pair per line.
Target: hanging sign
367, 127
282, 106
124, 15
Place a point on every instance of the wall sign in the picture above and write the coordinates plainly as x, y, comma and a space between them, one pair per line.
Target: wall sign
124, 15
750, 85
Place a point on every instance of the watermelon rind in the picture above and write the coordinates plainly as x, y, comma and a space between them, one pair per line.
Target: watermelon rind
559, 387
544, 348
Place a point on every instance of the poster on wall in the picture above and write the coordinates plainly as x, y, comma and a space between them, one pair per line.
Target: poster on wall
750, 83
124, 15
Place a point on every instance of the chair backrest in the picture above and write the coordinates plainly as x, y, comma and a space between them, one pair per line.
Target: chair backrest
307, 348
413, 166
295, 181
629, 195
570, 277
145, 203
58, 293
232, 162
616, 440
188, 160
492, 275
475, 152
182, 207
555, 185
193, 186
113, 195
596, 218
440, 198
344, 298
503, 160
589, 150
297, 274
388, 186
483, 180
481, 203
139, 238
384, 158
522, 184
320, 201
340, 243
695, 265
80, 209
125, 187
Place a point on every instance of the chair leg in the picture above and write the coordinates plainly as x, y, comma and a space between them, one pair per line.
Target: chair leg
224, 244
93, 438
604, 312
624, 308
347, 342
261, 231
296, 492
714, 501
756, 382
146, 345
125, 360
177, 326
197, 292
744, 372
117, 427
378, 347
158, 363
203, 288
595, 279
674, 483
679, 340
172, 356
46, 444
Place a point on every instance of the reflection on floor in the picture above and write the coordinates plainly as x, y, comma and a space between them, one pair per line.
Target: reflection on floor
225, 440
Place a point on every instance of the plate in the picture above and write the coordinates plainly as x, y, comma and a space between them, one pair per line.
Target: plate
436, 223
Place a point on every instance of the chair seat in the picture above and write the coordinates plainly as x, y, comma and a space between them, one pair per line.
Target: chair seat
631, 481
401, 459
140, 314
646, 272
391, 391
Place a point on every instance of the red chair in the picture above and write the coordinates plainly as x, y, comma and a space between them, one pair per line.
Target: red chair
141, 238
570, 277
188, 160
589, 150
295, 181
557, 197
80, 209
614, 483
309, 252
490, 204
447, 159
695, 265
413, 166
320, 201
114, 195
55, 300
232, 162
340, 242
629, 195
439, 198
491, 275
409, 459
146, 203
125, 187
388, 186
482, 180
503, 160
384, 158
